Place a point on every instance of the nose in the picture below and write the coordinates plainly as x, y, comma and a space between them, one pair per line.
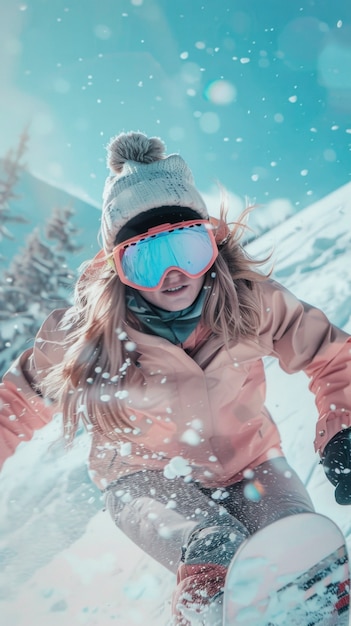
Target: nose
172, 277
174, 274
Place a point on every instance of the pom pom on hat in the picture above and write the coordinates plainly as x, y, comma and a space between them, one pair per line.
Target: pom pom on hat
134, 147
144, 178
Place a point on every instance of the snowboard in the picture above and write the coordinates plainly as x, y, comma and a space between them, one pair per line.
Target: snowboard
294, 572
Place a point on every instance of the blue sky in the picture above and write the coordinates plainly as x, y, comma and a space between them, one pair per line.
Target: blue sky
254, 94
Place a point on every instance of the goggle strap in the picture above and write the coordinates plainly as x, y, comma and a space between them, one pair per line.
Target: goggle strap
111, 263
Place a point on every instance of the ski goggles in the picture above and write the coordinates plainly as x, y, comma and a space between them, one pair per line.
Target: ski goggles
142, 262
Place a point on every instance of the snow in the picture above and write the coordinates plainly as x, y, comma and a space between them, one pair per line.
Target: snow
177, 467
63, 560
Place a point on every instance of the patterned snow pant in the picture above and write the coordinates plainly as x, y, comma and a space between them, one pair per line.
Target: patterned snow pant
195, 531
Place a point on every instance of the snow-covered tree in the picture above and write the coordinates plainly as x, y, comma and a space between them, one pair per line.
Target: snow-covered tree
11, 168
37, 281
60, 228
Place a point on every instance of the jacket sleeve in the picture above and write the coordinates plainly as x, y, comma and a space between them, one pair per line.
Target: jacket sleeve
23, 410
303, 339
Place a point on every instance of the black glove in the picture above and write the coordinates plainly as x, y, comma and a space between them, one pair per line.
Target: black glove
336, 460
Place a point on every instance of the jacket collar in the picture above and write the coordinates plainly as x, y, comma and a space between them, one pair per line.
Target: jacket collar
176, 326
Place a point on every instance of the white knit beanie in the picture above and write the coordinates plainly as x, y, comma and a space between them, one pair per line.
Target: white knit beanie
144, 178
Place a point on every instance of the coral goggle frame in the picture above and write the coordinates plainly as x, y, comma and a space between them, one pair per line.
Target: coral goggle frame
142, 262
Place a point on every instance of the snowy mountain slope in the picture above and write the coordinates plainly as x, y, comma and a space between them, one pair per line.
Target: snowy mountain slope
314, 246
63, 559
35, 199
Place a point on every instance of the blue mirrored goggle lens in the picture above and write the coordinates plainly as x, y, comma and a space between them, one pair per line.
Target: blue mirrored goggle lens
190, 249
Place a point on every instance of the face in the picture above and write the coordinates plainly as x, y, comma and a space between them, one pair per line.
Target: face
177, 291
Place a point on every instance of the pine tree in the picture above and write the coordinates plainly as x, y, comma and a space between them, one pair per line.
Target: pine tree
60, 228
12, 166
37, 282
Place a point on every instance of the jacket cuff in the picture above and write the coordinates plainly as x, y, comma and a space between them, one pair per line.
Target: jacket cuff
329, 425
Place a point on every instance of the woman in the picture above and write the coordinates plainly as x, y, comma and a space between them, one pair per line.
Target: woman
161, 358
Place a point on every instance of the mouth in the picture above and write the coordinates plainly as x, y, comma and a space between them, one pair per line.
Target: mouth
174, 289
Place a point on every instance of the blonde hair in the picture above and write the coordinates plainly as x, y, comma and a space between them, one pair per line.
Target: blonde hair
98, 362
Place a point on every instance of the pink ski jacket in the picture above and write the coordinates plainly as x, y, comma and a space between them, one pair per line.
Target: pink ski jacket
198, 401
